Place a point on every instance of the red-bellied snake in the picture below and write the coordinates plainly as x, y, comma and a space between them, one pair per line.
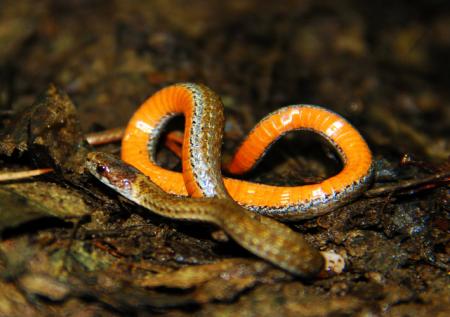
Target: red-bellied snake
218, 200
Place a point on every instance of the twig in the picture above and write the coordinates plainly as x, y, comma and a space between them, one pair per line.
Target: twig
425, 183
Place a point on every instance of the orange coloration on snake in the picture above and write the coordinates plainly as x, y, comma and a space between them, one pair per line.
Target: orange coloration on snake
212, 195
199, 105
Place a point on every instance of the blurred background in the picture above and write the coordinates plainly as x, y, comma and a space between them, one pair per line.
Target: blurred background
382, 64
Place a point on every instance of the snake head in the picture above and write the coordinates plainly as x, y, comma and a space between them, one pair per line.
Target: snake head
111, 171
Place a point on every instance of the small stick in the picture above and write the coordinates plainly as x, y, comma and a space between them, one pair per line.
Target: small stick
8, 176
106, 136
433, 180
97, 138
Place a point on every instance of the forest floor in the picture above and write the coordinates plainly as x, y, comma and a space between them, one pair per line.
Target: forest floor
71, 247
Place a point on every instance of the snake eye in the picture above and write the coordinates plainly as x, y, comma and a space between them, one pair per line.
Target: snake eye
101, 169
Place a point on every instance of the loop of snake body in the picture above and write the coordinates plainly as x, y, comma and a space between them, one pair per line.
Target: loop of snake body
226, 202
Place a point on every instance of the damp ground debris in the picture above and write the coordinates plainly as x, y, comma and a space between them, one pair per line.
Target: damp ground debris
69, 246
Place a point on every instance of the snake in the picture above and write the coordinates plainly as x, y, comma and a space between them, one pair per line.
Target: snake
246, 211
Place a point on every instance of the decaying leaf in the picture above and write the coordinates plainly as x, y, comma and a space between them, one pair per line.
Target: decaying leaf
43, 285
49, 131
22, 202
222, 280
